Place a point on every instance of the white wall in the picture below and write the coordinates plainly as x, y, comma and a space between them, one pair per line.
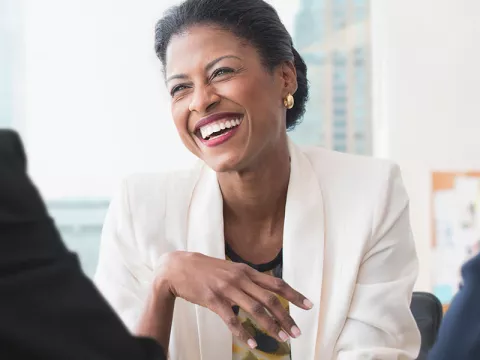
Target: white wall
426, 69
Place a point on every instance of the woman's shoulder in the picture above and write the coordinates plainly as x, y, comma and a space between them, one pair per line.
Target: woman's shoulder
144, 205
350, 168
153, 190
160, 181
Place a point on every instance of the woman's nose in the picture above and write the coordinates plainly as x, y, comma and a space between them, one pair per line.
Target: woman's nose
203, 100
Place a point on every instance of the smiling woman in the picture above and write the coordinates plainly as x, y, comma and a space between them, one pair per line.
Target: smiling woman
250, 70
299, 253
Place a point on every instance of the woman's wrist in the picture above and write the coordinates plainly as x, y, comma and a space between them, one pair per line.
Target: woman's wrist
156, 321
162, 290
168, 267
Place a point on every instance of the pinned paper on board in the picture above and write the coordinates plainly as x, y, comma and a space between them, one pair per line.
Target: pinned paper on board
456, 229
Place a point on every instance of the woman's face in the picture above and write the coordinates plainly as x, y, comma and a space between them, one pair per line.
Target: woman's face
227, 107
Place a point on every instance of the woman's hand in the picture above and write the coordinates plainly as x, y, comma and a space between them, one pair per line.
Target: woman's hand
219, 284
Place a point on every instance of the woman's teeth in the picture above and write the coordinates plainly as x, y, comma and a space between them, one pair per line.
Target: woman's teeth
207, 130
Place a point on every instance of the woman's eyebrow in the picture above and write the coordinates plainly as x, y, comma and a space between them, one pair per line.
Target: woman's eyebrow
208, 67
213, 62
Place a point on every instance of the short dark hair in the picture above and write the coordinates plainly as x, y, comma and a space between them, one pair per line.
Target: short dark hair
253, 20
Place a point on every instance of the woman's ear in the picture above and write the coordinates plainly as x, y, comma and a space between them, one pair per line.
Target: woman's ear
289, 76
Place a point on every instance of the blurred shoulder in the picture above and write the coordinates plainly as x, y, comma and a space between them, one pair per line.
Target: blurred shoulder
471, 273
12, 153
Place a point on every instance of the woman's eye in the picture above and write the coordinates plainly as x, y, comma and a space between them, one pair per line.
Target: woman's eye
222, 71
177, 89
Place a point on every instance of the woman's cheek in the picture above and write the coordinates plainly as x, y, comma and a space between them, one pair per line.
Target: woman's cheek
180, 117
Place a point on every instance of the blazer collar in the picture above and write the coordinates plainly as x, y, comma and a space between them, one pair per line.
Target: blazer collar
303, 251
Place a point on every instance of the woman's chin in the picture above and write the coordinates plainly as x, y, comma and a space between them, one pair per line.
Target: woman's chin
224, 162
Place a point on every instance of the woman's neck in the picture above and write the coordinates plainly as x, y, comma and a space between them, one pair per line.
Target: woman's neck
258, 194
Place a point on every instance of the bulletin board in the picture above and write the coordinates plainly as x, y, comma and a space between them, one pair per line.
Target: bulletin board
455, 228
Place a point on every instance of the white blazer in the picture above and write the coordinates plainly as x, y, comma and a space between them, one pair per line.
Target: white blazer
347, 246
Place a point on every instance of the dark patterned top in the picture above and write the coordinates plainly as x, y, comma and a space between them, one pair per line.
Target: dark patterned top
268, 347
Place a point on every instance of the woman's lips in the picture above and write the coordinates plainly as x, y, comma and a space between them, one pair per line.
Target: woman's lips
215, 128
215, 118
217, 133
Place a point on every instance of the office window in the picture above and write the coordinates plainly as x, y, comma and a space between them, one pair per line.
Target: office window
339, 14
80, 223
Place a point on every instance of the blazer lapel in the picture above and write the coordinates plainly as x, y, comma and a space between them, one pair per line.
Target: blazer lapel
303, 248
205, 235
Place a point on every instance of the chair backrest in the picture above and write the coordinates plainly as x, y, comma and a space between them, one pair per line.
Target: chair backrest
428, 313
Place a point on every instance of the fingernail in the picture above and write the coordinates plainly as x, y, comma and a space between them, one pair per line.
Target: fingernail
252, 343
283, 335
308, 303
296, 331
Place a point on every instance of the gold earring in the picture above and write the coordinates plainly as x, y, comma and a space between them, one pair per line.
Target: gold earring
289, 101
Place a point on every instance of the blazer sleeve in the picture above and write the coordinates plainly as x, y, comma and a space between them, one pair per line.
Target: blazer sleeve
380, 324
123, 276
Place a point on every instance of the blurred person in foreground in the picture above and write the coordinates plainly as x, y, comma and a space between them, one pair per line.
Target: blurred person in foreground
302, 254
459, 336
48, 307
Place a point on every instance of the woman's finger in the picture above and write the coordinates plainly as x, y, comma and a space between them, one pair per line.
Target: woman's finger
272, 303
280, 287
224, 310
258, 312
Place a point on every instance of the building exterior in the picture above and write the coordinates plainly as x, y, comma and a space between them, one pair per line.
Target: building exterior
333, 38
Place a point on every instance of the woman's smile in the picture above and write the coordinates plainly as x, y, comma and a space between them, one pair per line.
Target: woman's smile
218, 128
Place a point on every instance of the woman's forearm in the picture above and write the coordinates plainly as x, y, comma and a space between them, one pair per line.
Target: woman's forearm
156, 320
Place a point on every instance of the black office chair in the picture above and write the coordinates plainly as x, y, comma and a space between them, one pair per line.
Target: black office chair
428, 313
